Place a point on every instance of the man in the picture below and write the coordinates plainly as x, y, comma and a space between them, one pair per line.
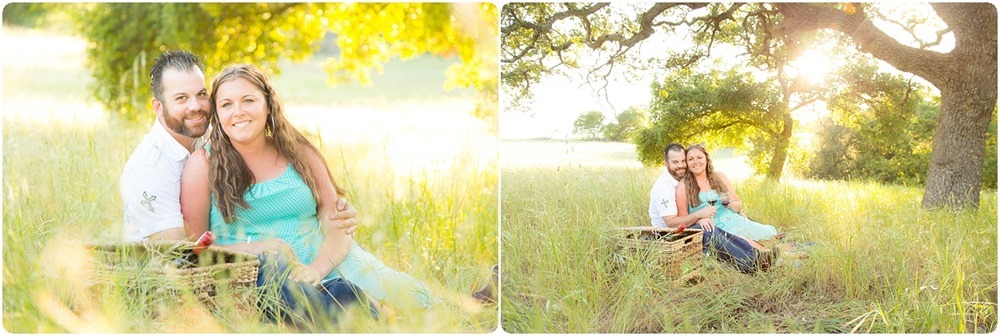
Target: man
662, 198
150, 182
663, 213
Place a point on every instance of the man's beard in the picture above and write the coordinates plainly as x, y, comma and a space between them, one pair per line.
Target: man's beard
677, 175
178, 126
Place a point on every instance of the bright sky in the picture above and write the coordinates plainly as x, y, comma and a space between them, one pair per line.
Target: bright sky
559, 100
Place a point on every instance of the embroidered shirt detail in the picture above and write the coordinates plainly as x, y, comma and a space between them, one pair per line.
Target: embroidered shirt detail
148, 201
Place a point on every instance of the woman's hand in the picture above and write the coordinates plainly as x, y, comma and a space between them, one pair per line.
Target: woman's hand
707, 224
706, 212
302, 273
276, 246
734, 200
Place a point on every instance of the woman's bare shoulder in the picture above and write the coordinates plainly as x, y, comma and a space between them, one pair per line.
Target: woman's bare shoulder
198, 159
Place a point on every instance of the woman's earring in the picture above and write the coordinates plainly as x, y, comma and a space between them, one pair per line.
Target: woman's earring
270, 118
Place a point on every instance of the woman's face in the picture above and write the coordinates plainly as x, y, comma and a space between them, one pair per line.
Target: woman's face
242, 110
696, 161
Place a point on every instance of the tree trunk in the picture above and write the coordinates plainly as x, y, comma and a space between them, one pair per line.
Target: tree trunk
780, 153
955, 174
966, 76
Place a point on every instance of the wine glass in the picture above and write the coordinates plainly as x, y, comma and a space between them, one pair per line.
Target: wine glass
713, 200
724, 196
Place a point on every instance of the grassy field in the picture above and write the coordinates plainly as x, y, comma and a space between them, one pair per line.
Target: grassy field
880, 263
433, 217
571, 153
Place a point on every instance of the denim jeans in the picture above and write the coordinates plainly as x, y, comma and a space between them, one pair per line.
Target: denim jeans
730, 249
302, 302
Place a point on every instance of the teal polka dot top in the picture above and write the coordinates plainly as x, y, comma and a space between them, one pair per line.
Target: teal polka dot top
284, 208
281, 208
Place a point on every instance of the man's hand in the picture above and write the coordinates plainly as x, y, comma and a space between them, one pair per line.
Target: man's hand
706, 212
345, 217
276, 246
169, 234
303, 273
706, 224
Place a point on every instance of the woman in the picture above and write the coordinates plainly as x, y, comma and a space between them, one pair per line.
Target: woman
702, 185
261, 187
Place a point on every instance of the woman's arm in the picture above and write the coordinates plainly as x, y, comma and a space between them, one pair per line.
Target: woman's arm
735, 203
336, 242
682, 199
196, 201
683, 218
703, 216
195, 195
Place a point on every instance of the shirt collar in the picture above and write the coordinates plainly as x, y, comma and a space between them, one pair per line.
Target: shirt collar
671, 177
168, 145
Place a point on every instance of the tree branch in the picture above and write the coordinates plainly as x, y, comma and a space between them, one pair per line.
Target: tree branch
645, 28
800, 17
540, 30
909, 29
970, 22
803, 103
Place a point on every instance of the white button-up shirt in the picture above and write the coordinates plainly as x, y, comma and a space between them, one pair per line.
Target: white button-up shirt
663, 199
151, 185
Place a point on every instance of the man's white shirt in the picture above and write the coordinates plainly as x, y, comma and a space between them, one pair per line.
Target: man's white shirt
151, 185
663, 199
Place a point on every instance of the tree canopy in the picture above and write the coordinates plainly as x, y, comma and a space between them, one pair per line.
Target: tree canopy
589, 124
724, 108
126, 37
627, 124
538, 40
880, 127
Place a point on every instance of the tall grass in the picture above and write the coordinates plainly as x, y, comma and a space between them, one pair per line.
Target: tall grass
880, 263
61, 186
63, 156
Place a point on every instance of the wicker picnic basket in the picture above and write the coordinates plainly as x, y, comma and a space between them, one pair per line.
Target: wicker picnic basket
676, 253
148, 267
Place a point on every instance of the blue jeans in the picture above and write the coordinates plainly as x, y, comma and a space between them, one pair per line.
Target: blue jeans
302, 302
730, 248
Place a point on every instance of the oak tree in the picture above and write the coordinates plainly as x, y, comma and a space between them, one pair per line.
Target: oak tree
542, 39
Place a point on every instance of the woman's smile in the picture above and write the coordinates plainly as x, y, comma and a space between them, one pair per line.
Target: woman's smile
240, 105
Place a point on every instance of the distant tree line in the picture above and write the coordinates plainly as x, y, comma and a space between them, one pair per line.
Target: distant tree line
591, 124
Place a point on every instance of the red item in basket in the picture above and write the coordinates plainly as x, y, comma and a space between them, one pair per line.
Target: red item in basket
190, 259
203, 242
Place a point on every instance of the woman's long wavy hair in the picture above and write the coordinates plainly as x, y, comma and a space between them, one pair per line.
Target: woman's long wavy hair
692, 185
230, 177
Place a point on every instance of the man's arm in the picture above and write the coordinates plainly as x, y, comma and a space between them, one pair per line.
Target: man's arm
151, 203
675, 221
169, 234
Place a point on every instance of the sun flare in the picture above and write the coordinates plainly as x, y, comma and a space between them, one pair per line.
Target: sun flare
813, 66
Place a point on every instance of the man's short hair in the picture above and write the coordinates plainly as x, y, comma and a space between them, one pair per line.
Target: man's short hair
171, 59
672, 147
